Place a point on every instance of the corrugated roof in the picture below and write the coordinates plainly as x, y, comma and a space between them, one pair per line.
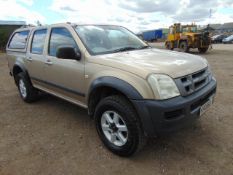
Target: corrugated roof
3, 22
215, 26
219, 26
212, 26
228, 25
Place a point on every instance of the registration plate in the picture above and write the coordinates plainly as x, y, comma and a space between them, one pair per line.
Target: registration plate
206, 105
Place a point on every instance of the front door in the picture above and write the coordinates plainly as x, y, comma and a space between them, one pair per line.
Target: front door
65, 77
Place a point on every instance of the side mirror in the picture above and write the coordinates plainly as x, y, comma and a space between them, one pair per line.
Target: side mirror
68, 53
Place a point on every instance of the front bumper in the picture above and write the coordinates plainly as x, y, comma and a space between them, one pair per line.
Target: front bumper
165, 116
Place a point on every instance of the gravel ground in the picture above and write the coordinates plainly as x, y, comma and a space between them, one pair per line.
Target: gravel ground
55, 137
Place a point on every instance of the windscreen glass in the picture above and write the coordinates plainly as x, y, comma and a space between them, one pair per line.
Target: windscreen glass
108, 39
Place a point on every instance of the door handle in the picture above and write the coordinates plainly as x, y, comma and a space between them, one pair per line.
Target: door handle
49, 62
29, 58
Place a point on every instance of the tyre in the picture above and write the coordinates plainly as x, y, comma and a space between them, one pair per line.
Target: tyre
27, 92
202, 50
169, 45
184, 46
118, 126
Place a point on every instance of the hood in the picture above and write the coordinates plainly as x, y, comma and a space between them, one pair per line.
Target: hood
147, 61
215, 36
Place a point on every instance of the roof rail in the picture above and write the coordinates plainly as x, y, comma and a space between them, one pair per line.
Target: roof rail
28, 25
72, 24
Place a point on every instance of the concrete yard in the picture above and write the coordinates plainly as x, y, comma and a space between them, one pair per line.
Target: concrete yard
54, 137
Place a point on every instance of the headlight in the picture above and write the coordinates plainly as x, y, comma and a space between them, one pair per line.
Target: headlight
209, 72
209, 69
163, 86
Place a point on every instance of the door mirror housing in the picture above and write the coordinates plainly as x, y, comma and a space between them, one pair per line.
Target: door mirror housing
68, 53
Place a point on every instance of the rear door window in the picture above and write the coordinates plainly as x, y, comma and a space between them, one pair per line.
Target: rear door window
19, 40
38, 41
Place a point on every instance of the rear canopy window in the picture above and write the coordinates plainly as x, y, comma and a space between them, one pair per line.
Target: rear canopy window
38, 41
19, 40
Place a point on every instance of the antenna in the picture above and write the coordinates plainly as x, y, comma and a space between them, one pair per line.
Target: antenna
210, 16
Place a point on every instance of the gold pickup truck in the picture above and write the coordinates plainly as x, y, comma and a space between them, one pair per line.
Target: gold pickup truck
131, 90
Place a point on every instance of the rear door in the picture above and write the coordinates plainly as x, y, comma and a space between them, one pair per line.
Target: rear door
65, 77
35, 58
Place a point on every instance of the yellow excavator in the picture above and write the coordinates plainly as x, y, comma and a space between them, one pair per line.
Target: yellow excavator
185, 37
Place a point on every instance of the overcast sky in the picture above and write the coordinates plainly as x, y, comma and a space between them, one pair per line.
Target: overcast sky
136, 15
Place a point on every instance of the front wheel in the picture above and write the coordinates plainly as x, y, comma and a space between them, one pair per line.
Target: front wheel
203, 50
168, 45
184, 46
118, 126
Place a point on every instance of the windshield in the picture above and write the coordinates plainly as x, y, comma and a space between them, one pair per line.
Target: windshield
108, 39
192, 29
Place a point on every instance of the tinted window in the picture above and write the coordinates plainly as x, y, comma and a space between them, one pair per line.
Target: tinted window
19, 40
60, 37
38, 41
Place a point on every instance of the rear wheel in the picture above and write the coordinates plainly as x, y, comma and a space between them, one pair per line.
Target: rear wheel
118, 126
202, 50
184, 46
27, 92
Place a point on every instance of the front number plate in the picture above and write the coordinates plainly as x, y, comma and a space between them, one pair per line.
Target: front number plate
206, 105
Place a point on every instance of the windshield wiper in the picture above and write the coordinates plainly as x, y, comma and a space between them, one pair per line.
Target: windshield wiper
144, 47
130, 48
124, 49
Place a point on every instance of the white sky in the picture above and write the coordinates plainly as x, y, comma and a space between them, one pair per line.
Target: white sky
136, 15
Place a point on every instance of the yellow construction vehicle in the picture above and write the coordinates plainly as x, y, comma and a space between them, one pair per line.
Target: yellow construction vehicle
185, 37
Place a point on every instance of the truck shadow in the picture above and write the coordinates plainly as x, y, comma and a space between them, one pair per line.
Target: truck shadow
182, 143
194, 144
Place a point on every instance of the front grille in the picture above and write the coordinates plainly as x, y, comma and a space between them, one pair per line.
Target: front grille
193, 82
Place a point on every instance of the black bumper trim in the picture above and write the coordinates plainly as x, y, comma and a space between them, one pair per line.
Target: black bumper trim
165, 116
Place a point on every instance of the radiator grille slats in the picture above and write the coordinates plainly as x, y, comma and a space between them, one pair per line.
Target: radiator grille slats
193, 82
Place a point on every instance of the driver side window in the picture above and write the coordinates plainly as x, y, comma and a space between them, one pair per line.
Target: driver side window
60, 37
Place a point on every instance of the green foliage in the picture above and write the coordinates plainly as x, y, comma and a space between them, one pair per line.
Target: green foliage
5, 32
3, 39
